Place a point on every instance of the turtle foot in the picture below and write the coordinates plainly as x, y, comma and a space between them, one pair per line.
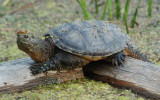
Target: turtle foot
119, 59
39, 68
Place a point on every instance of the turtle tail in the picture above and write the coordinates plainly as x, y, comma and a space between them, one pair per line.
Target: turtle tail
132, 51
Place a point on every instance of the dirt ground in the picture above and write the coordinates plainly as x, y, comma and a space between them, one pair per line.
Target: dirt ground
39, 17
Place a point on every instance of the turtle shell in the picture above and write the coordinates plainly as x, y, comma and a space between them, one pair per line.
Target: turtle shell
90, 39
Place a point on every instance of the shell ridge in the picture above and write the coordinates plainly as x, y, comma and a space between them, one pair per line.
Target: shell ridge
82, 39
117, 45
87, 45
78, 32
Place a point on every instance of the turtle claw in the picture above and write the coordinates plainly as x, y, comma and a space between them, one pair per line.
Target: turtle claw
41, 67
123, 58
119, 59
38, 68
116, 63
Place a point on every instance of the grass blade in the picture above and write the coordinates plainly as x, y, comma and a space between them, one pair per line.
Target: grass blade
126, 15
96, 6
86, 14
104, 10
125, 20
126, 10
135, 14
149, 8
110, 9
118, 9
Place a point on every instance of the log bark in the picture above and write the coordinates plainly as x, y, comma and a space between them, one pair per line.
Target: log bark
141, 77
15, 76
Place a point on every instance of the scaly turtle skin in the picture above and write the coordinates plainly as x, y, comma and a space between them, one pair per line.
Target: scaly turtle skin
75, 44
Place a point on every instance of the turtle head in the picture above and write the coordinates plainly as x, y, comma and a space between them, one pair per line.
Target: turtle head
39, 50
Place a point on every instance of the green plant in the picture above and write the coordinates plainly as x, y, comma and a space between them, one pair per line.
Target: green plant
86, 14
149, 8
110, 9
96, 6
118, 9
135, 14
126, 15
104, 10
109, 4
126, 10
125, 21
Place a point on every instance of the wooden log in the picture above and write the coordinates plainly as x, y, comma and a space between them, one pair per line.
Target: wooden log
141, 77
15, 76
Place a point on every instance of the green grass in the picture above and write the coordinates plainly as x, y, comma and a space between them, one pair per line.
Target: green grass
109, 4
149, 8
126, 24
86, 14
118, 9
135, 15
96, 6
104, 10
110, 9
126, 11
126, 15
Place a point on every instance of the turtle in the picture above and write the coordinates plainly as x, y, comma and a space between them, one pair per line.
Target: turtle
75, 44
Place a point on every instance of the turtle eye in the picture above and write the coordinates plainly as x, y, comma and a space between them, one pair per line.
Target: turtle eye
26, 36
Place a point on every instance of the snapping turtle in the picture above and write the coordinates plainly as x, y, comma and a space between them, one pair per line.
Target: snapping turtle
75, 44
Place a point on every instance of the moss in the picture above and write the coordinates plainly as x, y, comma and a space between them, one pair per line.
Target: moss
82, 89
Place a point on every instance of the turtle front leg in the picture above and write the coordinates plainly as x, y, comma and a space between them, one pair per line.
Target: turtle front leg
60, 61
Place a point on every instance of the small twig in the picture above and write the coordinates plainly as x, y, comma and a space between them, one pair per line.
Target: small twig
24, 7
137, 23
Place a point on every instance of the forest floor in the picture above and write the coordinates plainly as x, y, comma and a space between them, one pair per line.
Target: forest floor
38, 17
